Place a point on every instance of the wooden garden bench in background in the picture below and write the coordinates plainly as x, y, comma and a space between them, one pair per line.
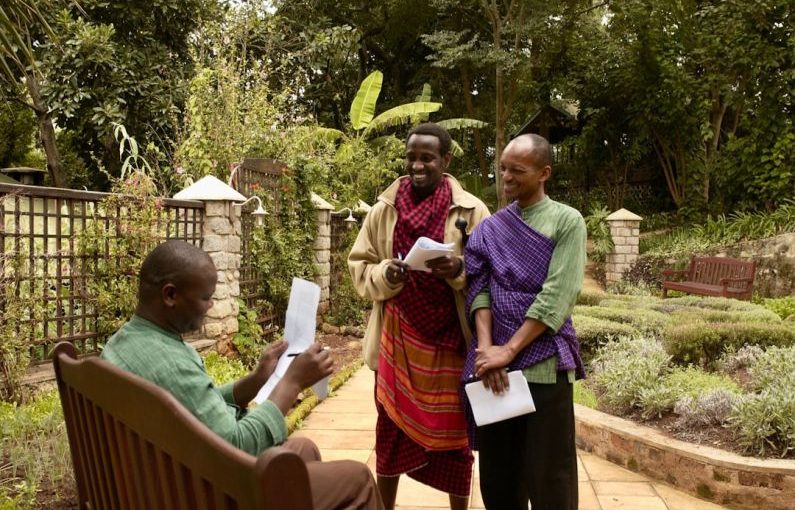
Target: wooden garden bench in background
713, 276
134, 446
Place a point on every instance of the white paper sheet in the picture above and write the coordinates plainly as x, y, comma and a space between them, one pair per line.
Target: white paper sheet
488, 407
426, 249
299, 330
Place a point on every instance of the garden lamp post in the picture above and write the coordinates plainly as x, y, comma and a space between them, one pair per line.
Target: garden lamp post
350, 219
210, 188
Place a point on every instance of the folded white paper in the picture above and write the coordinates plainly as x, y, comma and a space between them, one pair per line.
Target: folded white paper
299, 330
426, 249
488, 407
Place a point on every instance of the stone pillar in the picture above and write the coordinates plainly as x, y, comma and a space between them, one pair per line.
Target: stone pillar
221, 239
625, 231
323, 250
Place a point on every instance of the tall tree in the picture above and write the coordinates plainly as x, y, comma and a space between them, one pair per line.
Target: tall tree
121, 62
22, 27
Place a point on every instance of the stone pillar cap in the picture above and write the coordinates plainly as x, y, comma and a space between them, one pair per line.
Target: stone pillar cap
623, 215
319, 203
210, 188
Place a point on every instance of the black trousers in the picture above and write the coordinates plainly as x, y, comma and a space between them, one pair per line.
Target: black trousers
532, 457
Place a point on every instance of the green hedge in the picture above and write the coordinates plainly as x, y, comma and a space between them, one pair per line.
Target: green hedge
765, 421
704, 342
684, 315
712, 303
783, 307
593, 332
643, 320
591, 297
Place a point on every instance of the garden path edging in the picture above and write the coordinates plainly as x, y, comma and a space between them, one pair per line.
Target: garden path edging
709, 473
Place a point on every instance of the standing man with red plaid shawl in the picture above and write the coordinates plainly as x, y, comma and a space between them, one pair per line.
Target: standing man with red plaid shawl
417, 335
525, 266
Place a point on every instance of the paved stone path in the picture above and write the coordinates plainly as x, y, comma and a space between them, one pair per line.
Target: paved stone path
344, 428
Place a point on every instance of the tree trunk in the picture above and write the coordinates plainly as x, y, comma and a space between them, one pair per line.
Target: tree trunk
482, 164
499, 124
46, 132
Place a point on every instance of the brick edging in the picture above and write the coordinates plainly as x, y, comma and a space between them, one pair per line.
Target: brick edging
709, 473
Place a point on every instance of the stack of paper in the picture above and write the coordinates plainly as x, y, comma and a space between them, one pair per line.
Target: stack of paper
426, 249
488, 407
299, 333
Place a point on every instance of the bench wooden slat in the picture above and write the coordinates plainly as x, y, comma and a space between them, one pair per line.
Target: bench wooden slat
134, 446
713, 276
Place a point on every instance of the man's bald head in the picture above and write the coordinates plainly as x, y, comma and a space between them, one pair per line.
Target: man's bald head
535, 146
171, 262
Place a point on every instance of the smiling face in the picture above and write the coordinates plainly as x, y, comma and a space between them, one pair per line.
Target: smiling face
424, 163
523, 173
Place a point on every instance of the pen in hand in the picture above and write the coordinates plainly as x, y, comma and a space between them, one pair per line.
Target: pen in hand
294, 354
400, 258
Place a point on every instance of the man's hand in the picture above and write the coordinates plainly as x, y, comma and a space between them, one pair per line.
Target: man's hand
492, 357
397, 272
310, 366
269, 358
445, 267
496, 380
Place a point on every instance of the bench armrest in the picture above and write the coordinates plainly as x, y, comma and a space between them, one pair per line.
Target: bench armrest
726, 281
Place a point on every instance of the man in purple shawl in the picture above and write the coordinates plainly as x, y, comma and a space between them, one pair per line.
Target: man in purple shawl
525, 269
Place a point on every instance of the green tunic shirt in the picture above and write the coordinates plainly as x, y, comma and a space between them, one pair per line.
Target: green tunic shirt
555, 302
163, 358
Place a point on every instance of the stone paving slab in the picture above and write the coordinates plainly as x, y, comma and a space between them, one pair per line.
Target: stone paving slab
344, 428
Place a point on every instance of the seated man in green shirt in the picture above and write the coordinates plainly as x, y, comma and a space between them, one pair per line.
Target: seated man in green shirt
176, 286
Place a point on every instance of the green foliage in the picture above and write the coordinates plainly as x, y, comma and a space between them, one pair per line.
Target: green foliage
685, 315
347, 307
21, 310
642, 320
774, 368
283, 248
223, 370
593, 333
646, 271
703, 342
721, 231
248, 340
626, 370
35, 448
692, 382
764, 421
657, 221
584, 395
363, 105
711, 303
784, 307
707, 409
599, 233
591, 297
17, 128
123, 63
113, 289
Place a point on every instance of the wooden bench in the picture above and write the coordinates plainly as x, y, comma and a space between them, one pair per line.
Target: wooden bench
134, 446
712, 276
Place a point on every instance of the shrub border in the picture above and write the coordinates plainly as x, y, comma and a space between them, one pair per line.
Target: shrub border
709, 473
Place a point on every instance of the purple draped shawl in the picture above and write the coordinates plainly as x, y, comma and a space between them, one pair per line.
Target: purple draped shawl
510, 259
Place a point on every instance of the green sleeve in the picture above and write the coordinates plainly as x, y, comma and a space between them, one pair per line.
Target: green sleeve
254, 431
482, 300
564, 278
